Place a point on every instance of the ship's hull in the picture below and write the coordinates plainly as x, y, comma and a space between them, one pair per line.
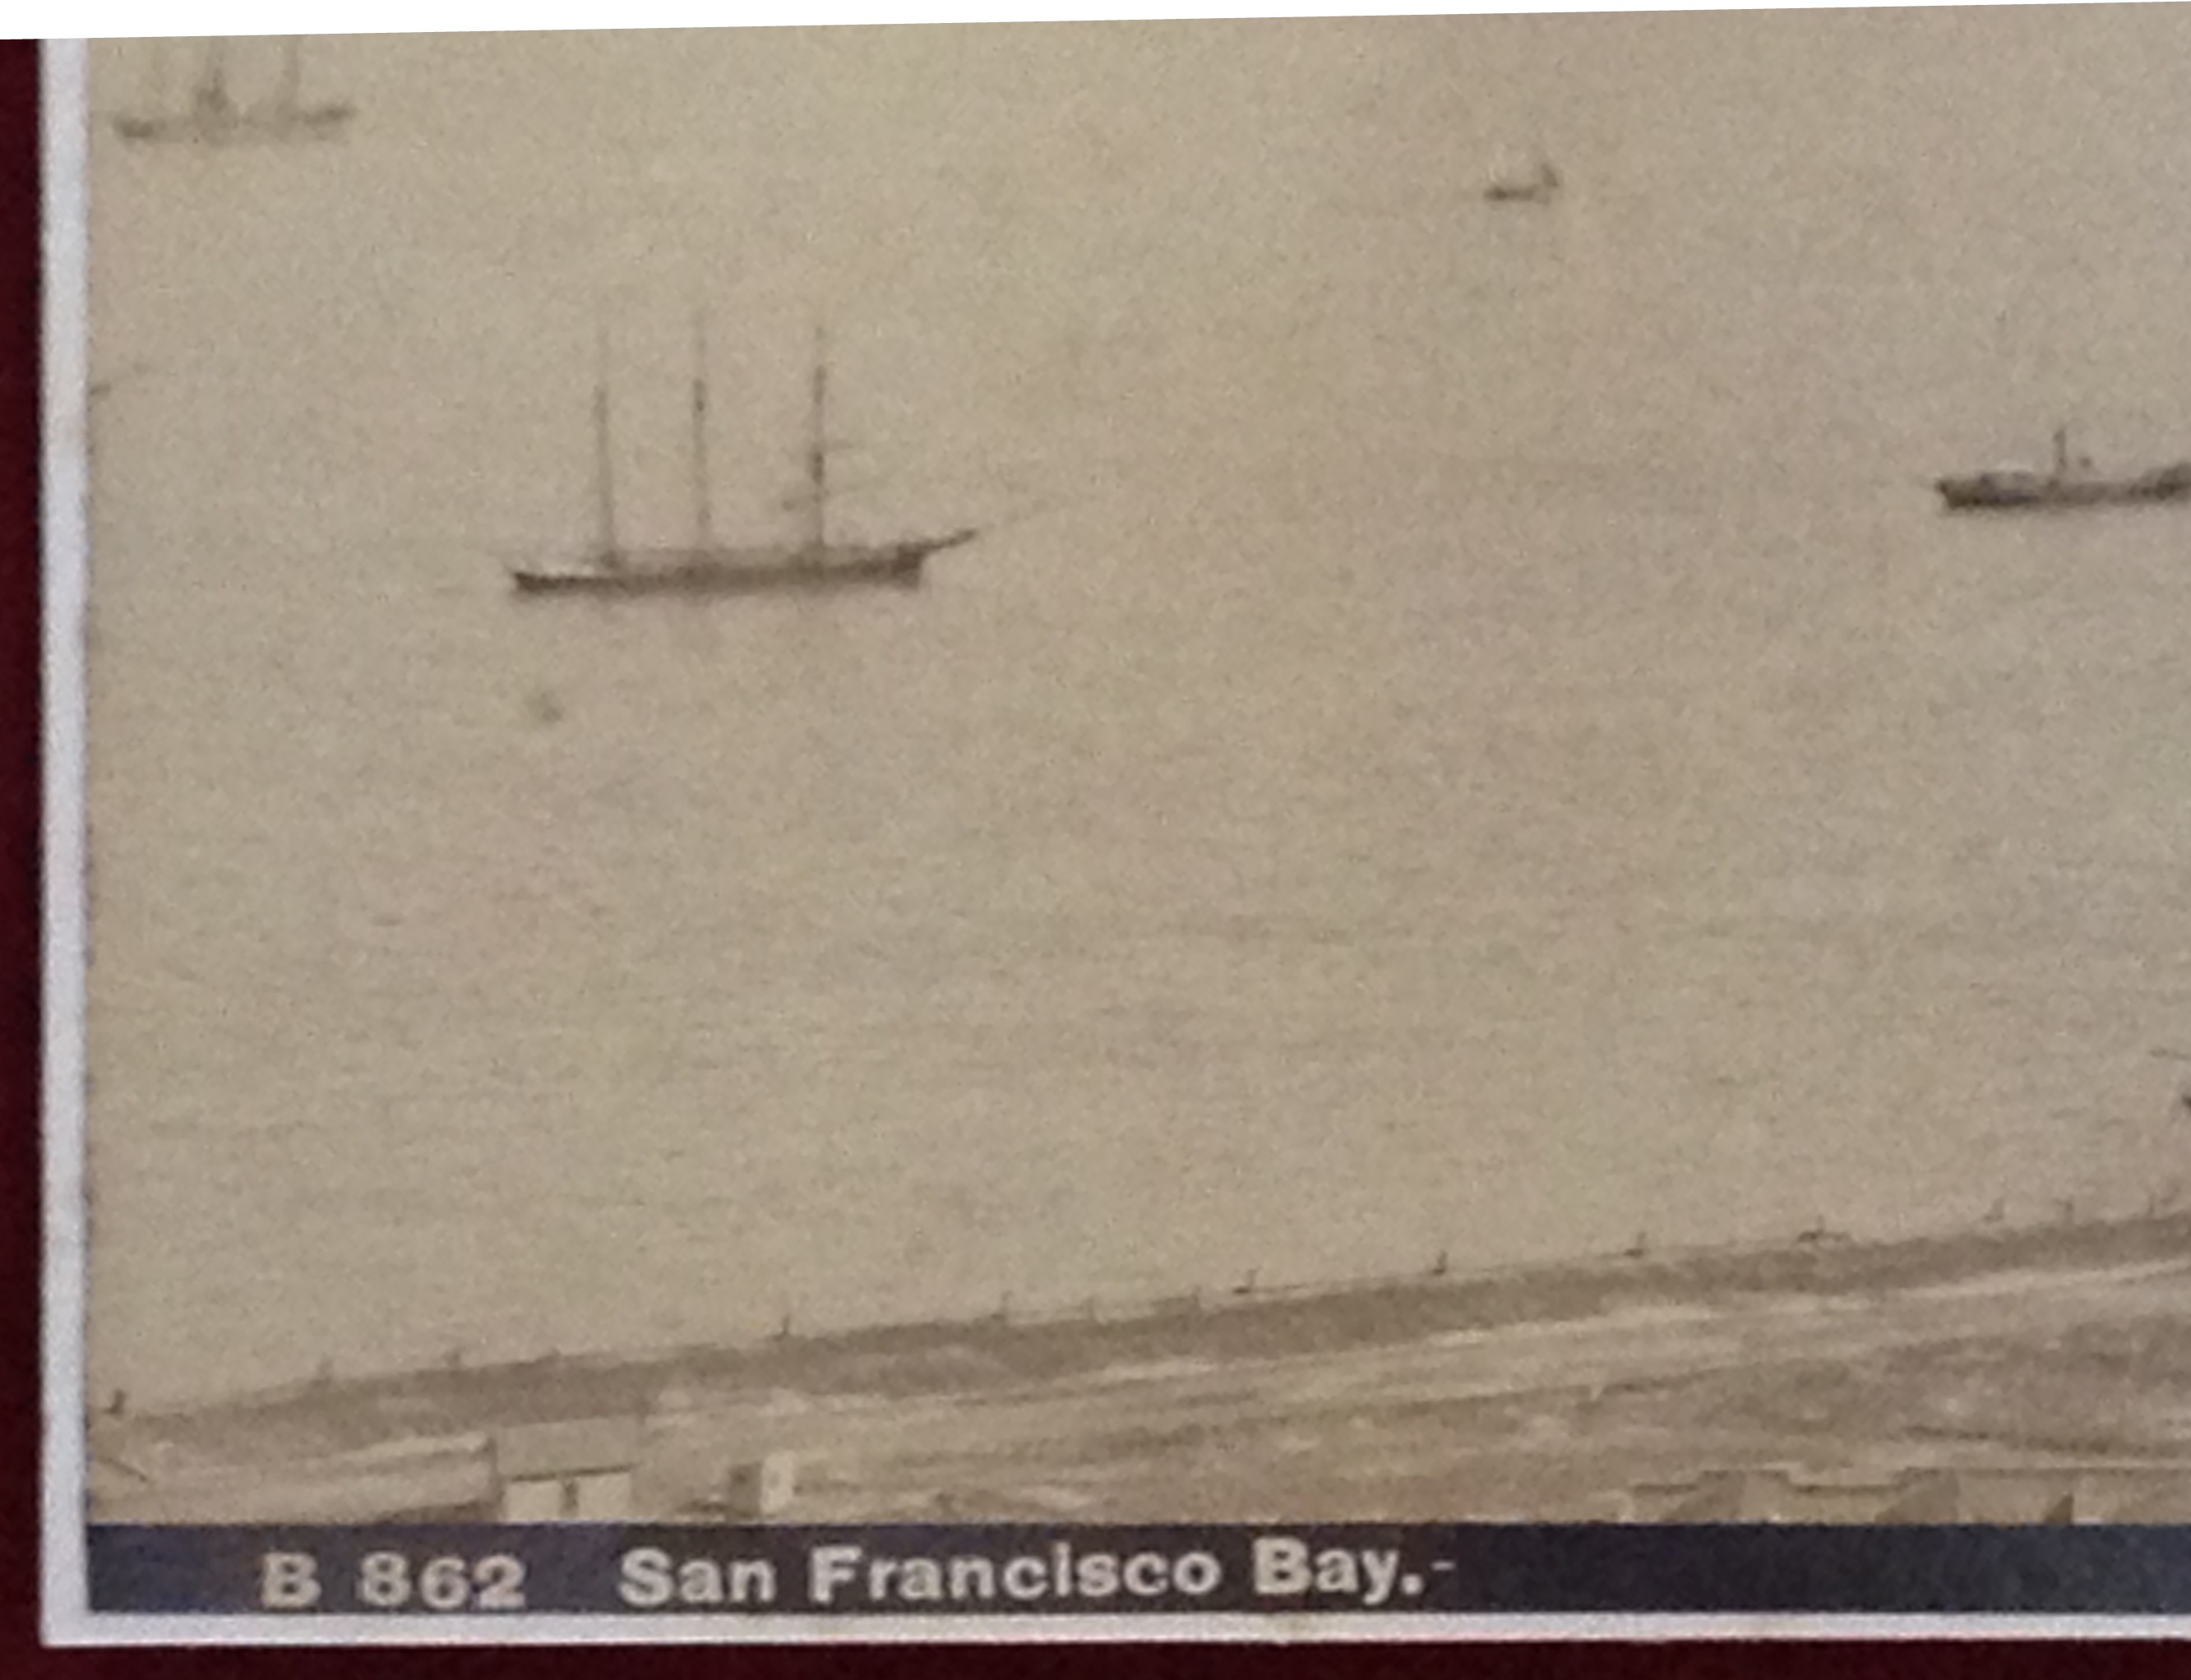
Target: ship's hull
237, 128
2009, 492
749, 572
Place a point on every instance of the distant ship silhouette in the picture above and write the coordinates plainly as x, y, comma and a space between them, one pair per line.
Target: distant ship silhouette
212, 115
2071, 482
1512, 182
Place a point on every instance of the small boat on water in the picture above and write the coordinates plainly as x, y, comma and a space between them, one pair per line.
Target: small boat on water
2071, 482
1514, 182
214, 117
817, 561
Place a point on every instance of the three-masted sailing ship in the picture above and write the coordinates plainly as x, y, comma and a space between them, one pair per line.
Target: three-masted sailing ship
818, 559
212, 115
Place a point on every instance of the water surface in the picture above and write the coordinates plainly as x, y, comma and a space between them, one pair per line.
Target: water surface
1468, 735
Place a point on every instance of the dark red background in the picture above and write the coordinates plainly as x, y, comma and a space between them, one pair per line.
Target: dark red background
20, 1651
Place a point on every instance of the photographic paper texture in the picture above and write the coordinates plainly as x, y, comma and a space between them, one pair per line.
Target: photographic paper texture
1194, 827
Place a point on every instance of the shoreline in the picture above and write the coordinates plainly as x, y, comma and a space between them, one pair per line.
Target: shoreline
937, 1359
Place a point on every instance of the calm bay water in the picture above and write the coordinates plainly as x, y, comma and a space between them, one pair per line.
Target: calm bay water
1469, 733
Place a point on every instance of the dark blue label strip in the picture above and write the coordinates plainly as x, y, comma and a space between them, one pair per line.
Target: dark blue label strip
976, 1571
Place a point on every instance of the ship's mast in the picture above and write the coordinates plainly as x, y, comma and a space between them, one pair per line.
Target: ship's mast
211, 94
704, 534
288, 97
604, 471
817, 450
155, 81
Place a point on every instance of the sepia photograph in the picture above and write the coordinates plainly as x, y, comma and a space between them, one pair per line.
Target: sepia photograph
1064, 779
